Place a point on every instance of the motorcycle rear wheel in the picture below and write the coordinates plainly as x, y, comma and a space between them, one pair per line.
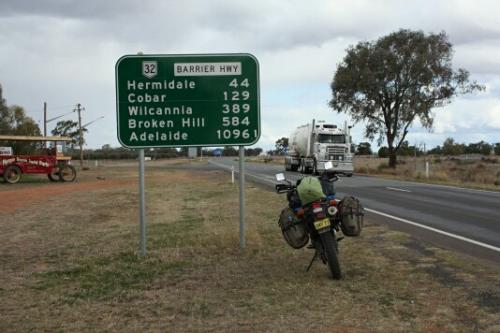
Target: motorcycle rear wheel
330, 248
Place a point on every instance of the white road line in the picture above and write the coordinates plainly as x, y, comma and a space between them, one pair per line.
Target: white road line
465, 239
398, 189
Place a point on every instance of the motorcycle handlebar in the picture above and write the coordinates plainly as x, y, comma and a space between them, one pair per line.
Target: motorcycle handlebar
283, 188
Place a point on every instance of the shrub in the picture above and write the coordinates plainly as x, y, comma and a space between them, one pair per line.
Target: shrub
489, 160
382, 166
362, 169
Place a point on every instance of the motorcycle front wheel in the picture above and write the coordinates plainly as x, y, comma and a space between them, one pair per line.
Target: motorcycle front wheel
330, 250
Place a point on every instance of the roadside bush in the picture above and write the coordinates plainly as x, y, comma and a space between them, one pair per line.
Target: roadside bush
362, 169
489, 160
497, 182
480, 166
383, 166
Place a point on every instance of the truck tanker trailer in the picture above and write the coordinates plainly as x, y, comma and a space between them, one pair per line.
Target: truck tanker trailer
310, 146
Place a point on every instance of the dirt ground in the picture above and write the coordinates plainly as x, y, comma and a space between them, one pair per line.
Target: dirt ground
69, 259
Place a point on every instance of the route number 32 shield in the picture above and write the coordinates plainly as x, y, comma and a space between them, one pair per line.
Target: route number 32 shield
149, 69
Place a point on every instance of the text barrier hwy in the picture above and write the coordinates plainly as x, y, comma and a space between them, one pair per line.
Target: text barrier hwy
187, 100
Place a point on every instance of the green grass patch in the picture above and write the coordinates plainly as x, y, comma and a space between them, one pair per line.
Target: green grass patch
105, 277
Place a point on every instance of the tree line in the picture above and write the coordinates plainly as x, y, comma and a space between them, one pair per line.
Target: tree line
448, 148
118, 153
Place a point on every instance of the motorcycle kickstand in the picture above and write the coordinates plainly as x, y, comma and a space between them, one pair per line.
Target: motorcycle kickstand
312, 260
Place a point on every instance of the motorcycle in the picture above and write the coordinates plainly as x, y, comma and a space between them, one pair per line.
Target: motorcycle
314, 214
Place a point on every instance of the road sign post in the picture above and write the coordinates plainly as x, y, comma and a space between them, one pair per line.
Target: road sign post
188, 100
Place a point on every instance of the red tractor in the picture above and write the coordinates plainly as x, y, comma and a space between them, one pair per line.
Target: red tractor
54, 164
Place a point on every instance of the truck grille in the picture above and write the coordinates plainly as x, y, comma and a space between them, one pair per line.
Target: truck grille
336, 153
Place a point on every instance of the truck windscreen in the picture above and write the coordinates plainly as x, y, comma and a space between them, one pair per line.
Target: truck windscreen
330, 138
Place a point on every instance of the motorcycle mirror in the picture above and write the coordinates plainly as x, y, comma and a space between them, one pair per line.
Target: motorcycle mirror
328, 165
280, 177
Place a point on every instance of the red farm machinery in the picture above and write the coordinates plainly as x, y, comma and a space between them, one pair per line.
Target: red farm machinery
51, 162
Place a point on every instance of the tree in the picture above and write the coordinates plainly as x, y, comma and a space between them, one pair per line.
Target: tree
391, 82
281, 146
5, 115
436, 151
383, 152
229, 151
406, 150
452, 148
14, 121
480, 147
253, 151
497, 148
69, 128
364, 148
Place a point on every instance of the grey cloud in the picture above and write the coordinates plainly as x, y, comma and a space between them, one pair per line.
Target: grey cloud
70, 8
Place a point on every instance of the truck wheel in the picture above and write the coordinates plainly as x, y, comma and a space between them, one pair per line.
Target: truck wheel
53, 176
12, 174
67, 173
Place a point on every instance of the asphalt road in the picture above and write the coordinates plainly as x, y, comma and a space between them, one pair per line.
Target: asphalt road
461, 219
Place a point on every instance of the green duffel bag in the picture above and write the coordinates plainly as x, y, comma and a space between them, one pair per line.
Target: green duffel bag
310, 190
351, 216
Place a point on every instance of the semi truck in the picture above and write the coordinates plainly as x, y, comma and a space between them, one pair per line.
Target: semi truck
312, 145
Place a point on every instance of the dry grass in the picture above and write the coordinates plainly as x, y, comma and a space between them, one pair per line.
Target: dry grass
70, 264
479, 173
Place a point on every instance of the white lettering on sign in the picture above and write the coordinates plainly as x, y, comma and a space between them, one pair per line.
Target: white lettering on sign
146, 98
159, 111
158, 136
207, 69
160, 85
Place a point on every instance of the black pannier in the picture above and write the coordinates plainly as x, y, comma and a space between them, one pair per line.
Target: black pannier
293, 229
351, 215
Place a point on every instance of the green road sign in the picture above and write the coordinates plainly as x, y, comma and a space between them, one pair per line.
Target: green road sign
187, 100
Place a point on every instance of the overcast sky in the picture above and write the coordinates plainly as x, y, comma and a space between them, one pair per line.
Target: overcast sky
64, 52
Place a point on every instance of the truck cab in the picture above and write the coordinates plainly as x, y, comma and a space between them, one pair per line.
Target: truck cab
331, 144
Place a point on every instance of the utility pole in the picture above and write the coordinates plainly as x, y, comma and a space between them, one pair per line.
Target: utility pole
80, 131
45, 121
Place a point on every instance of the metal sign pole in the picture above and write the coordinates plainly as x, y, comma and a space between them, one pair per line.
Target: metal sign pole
142, 214
242, 196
